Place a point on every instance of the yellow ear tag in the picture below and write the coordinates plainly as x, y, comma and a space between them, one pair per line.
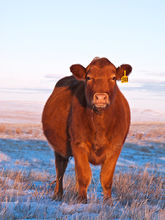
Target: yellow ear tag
124, 79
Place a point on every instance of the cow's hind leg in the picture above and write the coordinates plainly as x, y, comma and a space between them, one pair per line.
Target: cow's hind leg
61, 164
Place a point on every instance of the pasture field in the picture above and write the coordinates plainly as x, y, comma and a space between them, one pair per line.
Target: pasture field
27, 172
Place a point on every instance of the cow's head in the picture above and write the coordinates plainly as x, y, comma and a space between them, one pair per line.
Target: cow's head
100, 80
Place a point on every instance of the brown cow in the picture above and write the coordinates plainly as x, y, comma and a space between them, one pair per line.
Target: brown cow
87, 117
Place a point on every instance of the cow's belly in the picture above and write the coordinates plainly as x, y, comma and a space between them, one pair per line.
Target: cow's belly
55, 121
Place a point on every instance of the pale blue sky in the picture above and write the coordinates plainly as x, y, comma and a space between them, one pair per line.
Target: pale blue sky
40, 38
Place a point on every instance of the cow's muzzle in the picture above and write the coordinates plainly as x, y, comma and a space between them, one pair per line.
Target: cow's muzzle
101, 100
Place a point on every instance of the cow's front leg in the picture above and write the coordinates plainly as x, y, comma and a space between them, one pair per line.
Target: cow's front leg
106, 175
82, 169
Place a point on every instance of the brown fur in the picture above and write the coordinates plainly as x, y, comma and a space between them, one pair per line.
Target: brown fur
75, 126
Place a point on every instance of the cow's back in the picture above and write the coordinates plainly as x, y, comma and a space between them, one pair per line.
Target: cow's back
56, 115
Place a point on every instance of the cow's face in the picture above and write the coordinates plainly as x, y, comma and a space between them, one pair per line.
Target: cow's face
100, 85
100, 81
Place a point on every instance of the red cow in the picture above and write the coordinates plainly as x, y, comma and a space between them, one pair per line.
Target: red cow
87, 117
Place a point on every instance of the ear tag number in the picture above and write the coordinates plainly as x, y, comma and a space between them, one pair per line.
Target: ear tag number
124, 79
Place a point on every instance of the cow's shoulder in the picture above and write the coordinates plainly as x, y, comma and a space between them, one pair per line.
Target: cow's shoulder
65, 87
70, 85
68, 81
64, 92
122, 101
121, 111
79, 98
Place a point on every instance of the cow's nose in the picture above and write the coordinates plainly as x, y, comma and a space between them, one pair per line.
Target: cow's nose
101, 98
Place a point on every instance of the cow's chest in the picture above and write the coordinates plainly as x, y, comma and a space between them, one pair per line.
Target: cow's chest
99, 140
100, 143
98, 146
100, 131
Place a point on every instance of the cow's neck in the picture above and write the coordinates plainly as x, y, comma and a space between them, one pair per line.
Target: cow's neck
99, 128
98, 121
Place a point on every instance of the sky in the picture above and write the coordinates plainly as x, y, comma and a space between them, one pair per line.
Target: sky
40, 40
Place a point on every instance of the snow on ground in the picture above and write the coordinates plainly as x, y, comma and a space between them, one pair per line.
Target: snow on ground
4, 157
28, 169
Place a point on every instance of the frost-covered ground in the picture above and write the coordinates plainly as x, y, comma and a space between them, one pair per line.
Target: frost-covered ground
27, 170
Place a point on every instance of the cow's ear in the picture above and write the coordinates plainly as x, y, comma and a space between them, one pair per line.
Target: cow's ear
120, 70
78, 71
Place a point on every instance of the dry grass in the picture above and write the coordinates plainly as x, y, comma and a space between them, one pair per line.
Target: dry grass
147, 132
135, 196
130, 186
21, 131
14, 184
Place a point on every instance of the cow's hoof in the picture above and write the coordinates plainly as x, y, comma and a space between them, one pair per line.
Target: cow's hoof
82, 200
108, 201
57, 197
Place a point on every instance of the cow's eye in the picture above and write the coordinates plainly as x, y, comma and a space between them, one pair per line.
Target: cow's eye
114, 78
88, 78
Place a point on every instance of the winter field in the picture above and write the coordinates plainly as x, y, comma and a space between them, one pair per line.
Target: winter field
27, 173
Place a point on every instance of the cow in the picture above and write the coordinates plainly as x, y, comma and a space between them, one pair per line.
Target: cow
87, 117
